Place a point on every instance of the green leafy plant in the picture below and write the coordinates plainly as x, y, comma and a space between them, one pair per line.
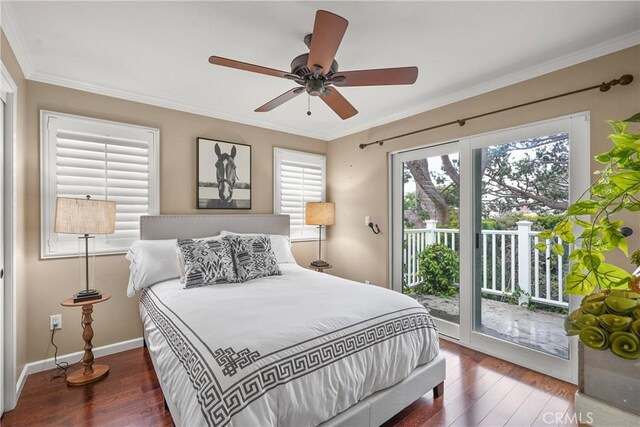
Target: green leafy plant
635, 258
609, 316
616, 189
438, 271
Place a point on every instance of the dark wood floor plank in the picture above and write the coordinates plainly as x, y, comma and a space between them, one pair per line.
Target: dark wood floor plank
479, 390
493, 420
530, 409
553, 412
483, 406
510, 403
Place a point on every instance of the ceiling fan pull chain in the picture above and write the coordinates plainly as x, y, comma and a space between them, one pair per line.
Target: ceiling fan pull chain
308, 105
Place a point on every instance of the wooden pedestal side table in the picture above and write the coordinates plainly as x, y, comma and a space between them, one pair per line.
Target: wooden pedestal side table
90, 373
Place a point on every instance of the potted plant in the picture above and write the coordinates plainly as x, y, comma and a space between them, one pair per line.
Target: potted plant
609, 315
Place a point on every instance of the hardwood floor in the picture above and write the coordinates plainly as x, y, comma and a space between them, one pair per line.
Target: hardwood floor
480, 390
129, 395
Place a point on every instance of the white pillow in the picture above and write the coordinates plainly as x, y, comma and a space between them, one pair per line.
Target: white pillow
151, 261
280, 245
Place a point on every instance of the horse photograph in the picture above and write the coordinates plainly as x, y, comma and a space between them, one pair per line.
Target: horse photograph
224, 175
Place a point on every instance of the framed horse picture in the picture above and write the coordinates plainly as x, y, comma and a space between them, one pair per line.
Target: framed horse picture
224, 175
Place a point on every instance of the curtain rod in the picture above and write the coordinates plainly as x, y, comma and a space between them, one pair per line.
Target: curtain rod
604, 87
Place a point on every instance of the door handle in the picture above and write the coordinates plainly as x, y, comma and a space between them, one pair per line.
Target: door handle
1, 273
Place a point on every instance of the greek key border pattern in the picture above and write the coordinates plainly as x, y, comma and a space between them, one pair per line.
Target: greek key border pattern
218, 406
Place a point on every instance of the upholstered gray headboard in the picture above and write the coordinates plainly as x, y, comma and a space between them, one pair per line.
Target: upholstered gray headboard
159, 227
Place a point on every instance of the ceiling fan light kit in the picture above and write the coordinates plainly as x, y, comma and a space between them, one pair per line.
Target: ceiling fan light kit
317, 72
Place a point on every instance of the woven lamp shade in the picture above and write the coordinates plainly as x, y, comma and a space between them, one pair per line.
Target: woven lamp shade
85, 216
320, 213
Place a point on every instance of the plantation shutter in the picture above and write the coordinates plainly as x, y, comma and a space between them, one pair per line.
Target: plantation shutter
106, 160
299, 178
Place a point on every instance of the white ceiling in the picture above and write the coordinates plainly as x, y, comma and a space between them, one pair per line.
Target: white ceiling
156, 52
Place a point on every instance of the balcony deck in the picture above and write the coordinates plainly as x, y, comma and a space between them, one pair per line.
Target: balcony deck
537, 329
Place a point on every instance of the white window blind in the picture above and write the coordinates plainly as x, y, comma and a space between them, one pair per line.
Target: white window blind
106, 160
298, 178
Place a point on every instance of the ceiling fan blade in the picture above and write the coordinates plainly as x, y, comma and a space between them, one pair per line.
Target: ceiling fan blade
378, 77
225, 62
338, 103
278, 101
328, 31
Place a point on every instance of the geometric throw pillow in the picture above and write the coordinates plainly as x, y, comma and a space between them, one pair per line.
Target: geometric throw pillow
181, 257
253, 257
207, 262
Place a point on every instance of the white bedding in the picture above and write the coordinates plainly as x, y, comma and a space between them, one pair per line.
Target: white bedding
290, 350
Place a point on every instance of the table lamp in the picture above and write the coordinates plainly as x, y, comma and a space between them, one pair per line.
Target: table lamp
86, 217
320, 213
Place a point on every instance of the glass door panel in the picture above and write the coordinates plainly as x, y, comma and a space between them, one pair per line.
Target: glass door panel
466, 216
428, 226
521, 188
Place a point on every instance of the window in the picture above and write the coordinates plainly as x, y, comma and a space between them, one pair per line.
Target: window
107, 160
298, 178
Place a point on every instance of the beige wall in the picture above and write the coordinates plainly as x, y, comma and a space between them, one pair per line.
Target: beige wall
50, 281
357, 182
358, 179
10, 62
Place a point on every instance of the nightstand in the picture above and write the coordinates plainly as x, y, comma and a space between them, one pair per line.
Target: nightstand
320, 269
90, 373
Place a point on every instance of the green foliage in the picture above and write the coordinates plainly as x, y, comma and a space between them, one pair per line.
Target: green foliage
531, 173
509, 221
514, 298
635, 258
438, 271
616, 189
412, 202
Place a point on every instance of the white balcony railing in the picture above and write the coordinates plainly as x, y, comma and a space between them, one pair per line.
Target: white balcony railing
509, 258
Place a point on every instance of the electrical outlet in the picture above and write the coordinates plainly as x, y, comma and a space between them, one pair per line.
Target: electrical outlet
367, 220
366, 282
55, 321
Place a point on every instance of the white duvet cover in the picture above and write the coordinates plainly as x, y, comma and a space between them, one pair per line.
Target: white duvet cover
290, 350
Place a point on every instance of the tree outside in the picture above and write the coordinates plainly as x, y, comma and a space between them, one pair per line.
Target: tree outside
521, 180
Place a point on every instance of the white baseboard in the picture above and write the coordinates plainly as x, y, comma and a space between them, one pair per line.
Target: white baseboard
22, 379
597, 413
46, 364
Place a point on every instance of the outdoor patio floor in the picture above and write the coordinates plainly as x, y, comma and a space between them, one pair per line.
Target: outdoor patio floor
536, 329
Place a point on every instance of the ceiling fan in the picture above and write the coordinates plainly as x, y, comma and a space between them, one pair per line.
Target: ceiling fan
317, 71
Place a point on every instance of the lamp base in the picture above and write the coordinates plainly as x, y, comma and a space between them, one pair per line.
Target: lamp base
87, 295
320, 263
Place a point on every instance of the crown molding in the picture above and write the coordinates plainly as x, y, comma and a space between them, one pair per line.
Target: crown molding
165, 103
14, 36
596, 51
19, 46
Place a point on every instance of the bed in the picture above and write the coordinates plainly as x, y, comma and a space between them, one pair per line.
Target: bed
302, 348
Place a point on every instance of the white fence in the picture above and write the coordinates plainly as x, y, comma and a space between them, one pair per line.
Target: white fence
509, 258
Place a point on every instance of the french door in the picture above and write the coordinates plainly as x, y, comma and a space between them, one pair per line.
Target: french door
426, 236
465, 220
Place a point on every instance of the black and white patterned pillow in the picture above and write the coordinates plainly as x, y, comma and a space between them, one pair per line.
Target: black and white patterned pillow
253, 257
207, 262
